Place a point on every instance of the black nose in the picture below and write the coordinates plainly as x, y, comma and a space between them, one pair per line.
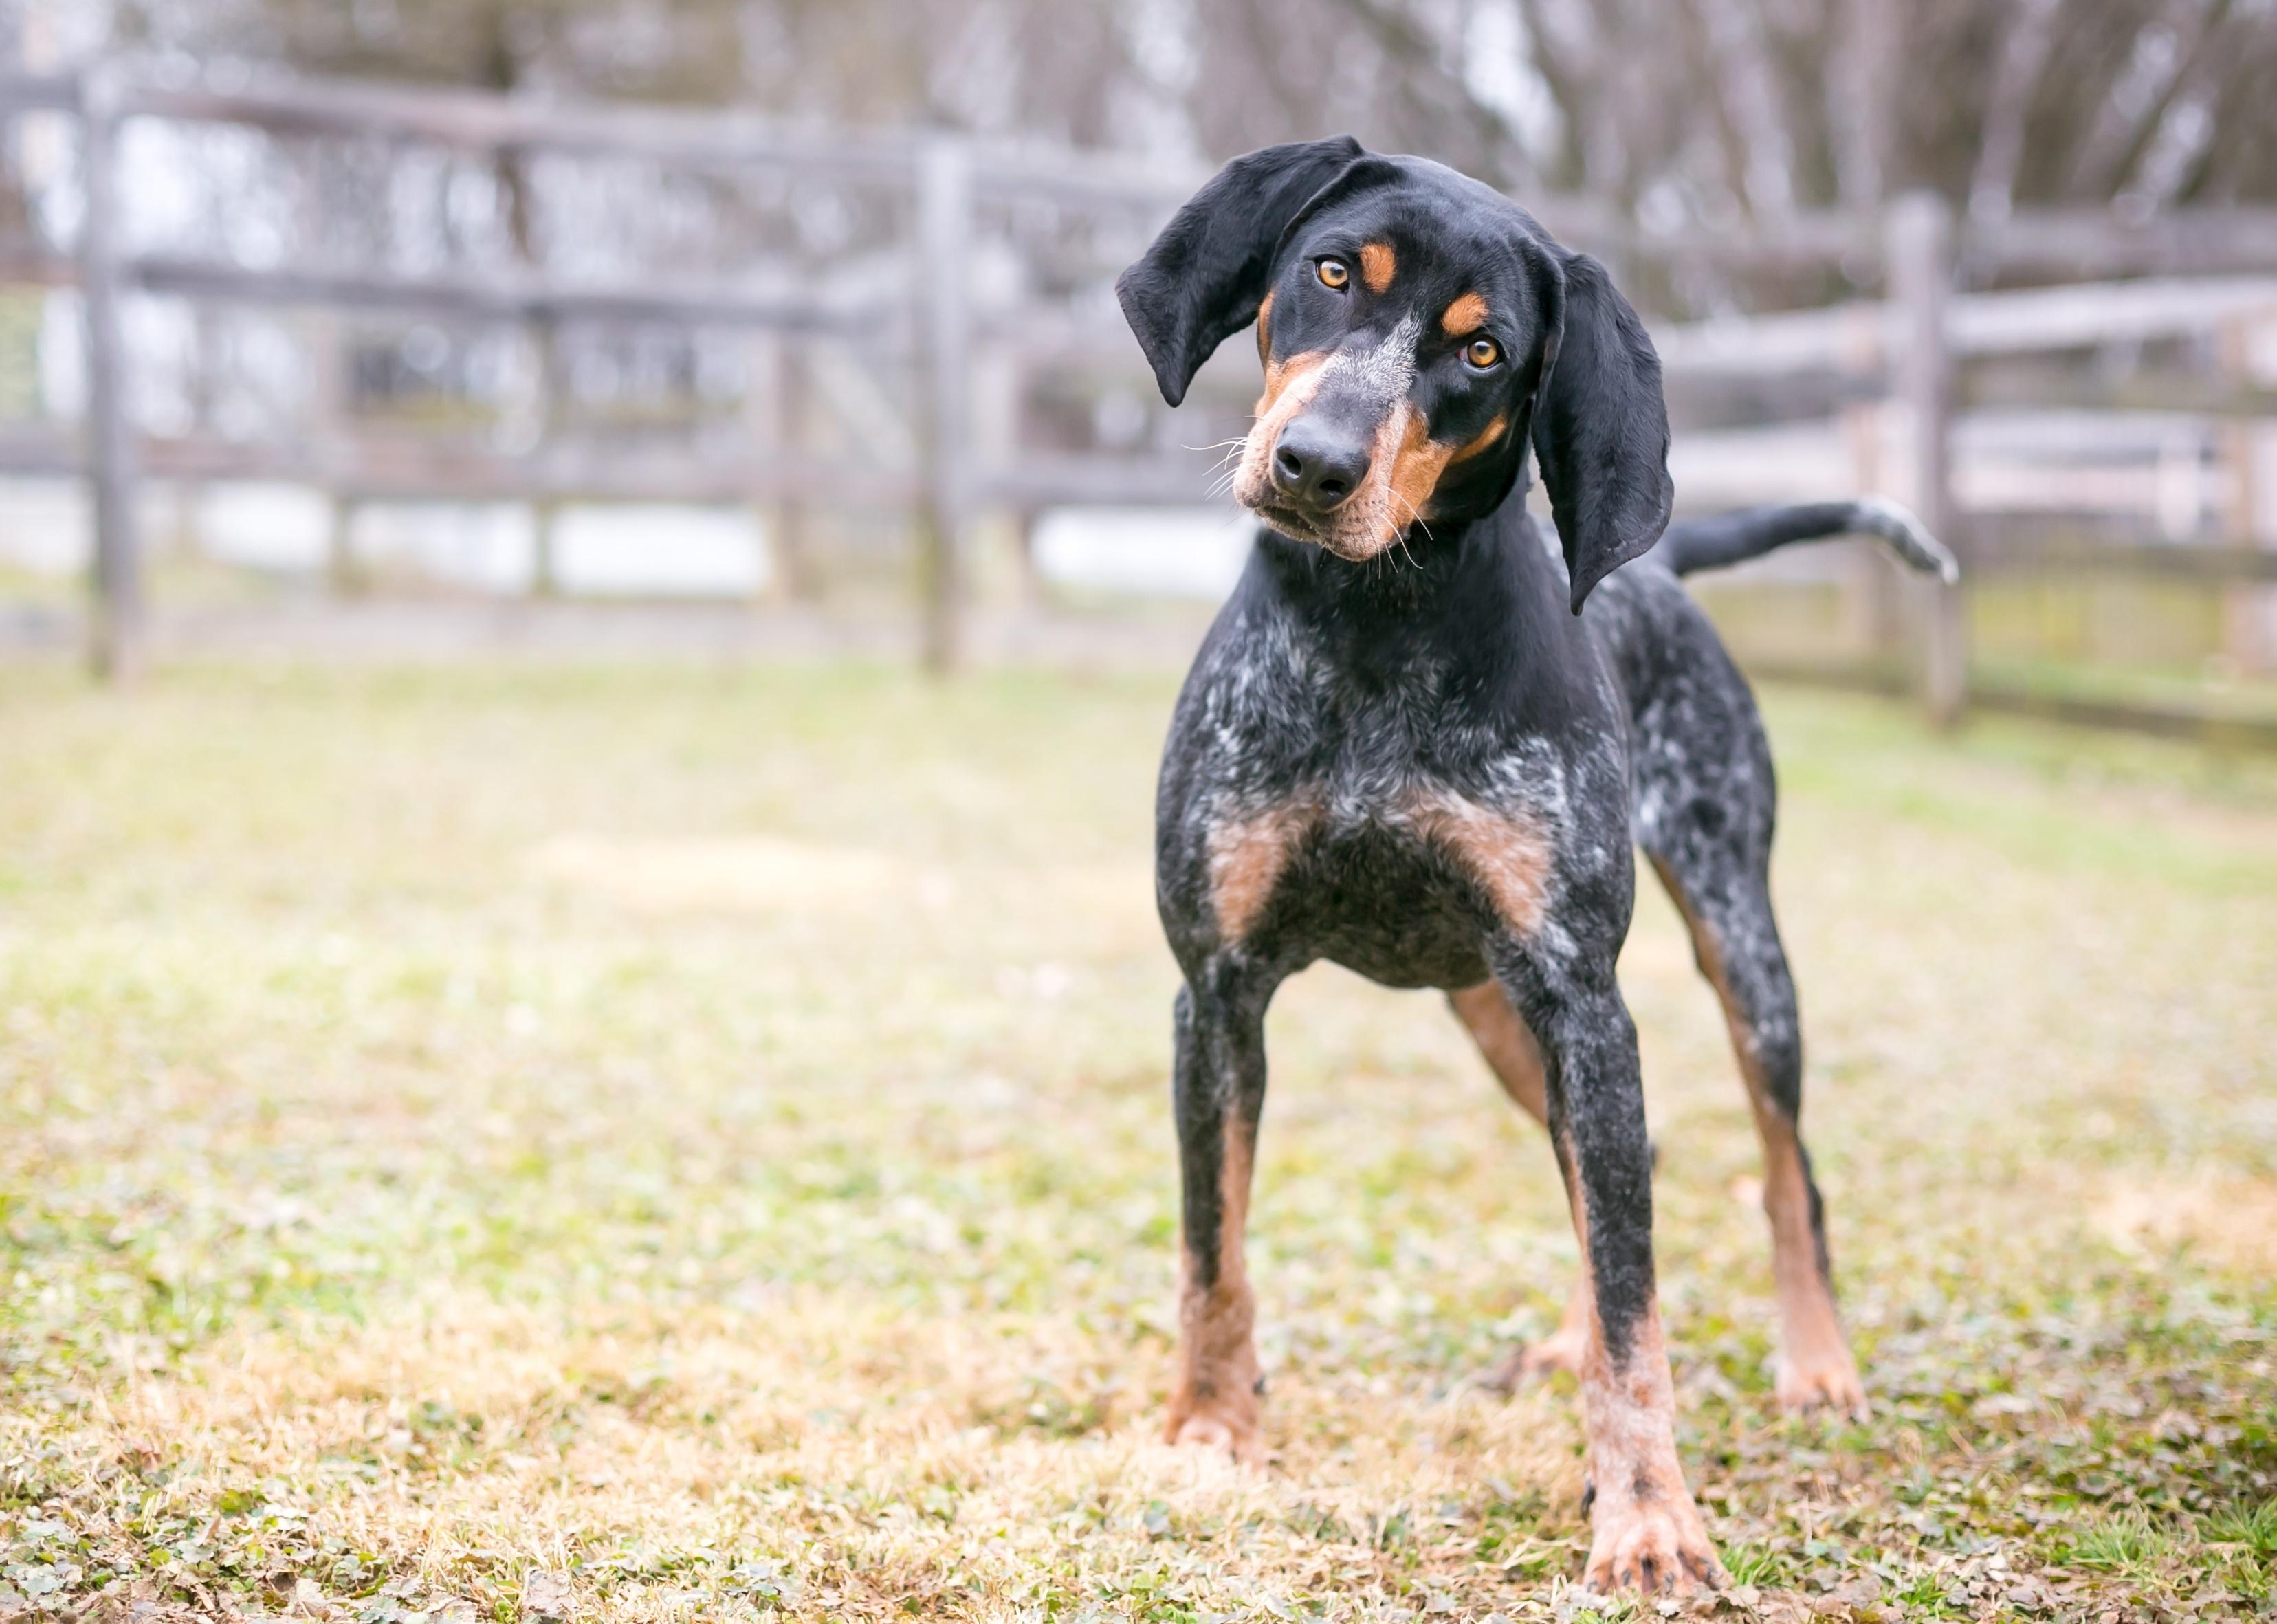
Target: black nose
1317, 466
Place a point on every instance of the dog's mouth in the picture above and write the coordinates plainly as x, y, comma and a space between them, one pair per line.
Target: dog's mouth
1332, 538
1356, 530
1289, 522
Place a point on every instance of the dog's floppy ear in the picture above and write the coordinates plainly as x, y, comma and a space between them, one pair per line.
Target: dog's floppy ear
1600, 424
1206, 275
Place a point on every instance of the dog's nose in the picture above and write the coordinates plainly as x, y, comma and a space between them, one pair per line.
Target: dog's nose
1318, 467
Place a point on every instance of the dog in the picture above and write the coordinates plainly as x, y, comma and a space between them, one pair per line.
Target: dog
1414, 745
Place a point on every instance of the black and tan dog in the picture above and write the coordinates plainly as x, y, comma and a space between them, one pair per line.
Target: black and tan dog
1405, 747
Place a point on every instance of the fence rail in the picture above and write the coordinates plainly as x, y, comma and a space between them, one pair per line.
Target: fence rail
1902, 372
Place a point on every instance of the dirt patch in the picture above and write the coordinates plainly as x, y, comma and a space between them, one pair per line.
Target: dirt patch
2231, 1222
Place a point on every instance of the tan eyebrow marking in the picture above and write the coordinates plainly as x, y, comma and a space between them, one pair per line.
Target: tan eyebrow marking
1376, 264
1264, 315
1468, 314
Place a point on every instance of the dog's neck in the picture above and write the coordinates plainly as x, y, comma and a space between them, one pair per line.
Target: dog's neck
1430, 565
1484, 588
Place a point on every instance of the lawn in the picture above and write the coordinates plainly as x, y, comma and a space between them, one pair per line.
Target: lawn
514, 1142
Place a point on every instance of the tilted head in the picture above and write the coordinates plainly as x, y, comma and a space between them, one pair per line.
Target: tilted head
1418, 330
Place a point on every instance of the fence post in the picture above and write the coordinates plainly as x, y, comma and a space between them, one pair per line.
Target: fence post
115, 621
1007, 567
322, 332
1921, 259
2249, 609
545, 511
939, 273
774, 413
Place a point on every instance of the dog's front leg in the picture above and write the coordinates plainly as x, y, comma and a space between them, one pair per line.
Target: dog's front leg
1646, 1532
1219, 1090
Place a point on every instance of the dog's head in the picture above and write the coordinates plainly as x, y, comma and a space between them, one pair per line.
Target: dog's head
1418, 330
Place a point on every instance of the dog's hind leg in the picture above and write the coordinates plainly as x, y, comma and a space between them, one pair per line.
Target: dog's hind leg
1704, 804
1723, 891
1218, 1089
1510, 1051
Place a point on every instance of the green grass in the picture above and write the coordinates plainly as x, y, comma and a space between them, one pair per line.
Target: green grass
2126, 1543
693, 1143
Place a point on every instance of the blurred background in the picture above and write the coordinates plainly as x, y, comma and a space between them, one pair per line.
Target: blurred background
762, 324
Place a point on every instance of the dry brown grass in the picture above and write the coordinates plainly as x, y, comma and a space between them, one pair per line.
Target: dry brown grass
691, 1144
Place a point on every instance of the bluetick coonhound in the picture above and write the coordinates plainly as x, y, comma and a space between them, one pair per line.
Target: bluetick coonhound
1415, 745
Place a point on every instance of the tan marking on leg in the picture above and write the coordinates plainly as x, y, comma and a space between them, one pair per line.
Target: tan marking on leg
1646, 1533
1264, 334
1565, 1347
1510, 1051
1508, 1044
1246, 857
1562, 1349
1216, 1406
1509, 857
1466, 315
1814, 1363
1377, 263
1645, 1529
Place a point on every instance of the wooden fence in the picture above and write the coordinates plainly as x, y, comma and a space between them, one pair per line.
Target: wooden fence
1901, 373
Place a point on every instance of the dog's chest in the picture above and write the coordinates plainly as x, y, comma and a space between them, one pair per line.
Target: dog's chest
1391, 760
1387, 830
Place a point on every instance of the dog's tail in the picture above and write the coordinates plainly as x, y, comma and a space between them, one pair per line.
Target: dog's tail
1735, 537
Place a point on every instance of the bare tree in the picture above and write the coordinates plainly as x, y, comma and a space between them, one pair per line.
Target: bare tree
1703, 113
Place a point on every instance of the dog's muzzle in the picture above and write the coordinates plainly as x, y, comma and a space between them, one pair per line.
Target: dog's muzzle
1317, 467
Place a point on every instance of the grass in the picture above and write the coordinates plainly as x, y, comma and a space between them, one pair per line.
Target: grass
670, 1144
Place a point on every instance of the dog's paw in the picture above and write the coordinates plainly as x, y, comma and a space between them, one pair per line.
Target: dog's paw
1532, 1362
1221, 1428
1826, 1380
1655, 1547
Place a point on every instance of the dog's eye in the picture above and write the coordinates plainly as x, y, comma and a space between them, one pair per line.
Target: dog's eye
1334, 273
1483, 352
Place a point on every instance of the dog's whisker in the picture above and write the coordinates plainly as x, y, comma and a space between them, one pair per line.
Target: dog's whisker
1400, 535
